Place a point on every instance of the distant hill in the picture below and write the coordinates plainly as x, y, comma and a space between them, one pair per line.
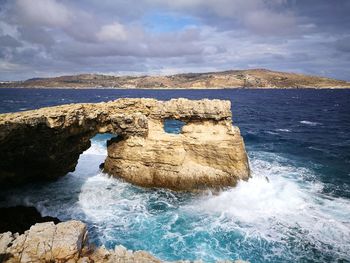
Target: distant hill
251, 78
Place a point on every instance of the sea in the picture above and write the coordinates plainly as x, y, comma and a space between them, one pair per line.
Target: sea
294, 208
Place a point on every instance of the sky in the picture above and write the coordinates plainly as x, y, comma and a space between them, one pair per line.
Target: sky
44, 38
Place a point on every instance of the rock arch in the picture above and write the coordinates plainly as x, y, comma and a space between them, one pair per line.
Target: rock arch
46, 143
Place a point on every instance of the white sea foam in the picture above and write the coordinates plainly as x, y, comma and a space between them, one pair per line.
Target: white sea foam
283, 130
97, 148
281, 202
277, 200
310, 123
272, 133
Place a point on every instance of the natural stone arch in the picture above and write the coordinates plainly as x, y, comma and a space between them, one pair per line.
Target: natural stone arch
46, 143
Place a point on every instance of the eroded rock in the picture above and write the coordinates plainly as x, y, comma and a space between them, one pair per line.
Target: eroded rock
206, 154
46, 143
47, 242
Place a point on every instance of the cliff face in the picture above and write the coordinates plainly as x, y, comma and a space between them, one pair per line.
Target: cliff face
252, 78
46, 143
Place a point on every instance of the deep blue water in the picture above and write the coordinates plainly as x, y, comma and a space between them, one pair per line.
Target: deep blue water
299, 139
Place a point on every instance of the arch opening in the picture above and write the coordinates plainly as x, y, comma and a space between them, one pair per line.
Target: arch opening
98, 146
173, 126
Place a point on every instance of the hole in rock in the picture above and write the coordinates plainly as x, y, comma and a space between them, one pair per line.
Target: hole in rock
173, 126
99, 144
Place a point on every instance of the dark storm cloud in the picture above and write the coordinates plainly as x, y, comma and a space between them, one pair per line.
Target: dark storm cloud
50, 37
9, 41
343, 44
36, 35
327, 16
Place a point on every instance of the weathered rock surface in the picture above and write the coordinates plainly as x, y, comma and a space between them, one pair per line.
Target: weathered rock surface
205, 154
45, 242
46, 143
65, 242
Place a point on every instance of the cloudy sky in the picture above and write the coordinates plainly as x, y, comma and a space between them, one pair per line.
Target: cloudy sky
55, 37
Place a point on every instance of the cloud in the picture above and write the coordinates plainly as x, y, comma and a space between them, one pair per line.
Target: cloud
269, 23
9, 41
112, 32
137, 43
36, 35
43, 12
343, 44
50, 37
262, 17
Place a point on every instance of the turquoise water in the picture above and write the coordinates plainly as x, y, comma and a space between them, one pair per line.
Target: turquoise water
299, 140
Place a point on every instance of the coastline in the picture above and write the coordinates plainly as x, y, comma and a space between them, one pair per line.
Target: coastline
180, 88
138, 122
306, 122
69, 242
231, 79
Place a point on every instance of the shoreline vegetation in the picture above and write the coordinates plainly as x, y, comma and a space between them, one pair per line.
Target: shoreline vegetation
232, 79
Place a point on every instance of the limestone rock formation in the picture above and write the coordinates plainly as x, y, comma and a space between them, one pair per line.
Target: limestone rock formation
46, 143
65, 242
45, 242
205, 154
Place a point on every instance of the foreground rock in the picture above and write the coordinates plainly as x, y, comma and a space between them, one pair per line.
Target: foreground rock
64, 242
46, 143
45, 242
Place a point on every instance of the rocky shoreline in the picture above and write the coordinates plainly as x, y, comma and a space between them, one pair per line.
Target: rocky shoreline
45, 144
67, 242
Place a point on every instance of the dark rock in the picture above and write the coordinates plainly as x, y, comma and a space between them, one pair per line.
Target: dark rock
18, 219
